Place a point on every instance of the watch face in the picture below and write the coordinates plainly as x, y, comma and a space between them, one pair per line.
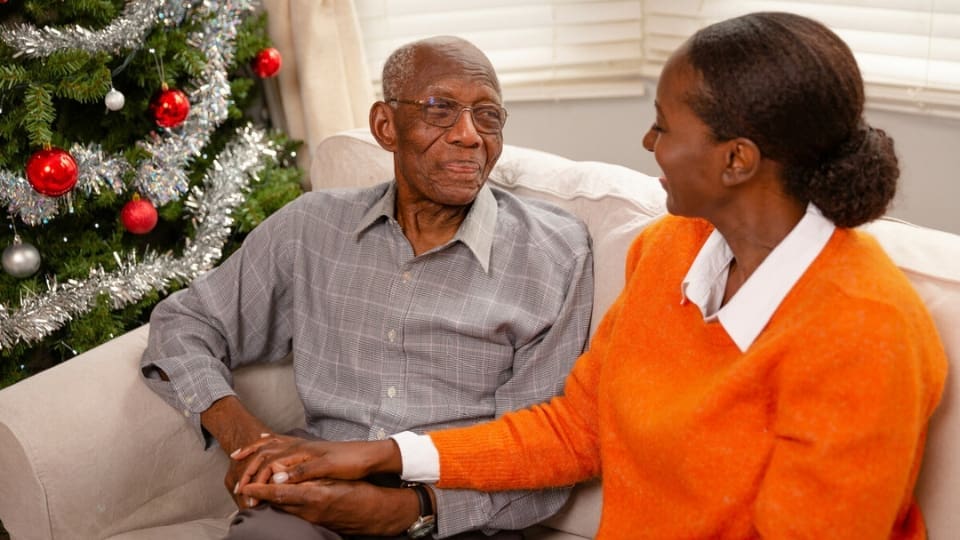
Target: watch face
422, 527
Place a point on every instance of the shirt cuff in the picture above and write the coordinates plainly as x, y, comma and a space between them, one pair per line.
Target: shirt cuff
419, 457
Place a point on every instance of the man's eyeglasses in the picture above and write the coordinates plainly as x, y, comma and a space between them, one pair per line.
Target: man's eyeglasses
443, 112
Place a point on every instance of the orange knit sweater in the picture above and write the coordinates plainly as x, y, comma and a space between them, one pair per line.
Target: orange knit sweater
816, 431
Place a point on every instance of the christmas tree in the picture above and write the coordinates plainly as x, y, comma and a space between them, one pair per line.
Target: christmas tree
129, 162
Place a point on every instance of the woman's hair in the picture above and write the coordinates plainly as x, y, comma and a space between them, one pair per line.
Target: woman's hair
792, 86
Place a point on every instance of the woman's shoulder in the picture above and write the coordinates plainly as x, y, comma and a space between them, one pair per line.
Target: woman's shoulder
667, 245
671, 226
854, 302
674, 234
854, 261
854, 280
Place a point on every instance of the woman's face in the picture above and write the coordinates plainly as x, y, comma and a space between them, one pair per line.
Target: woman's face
691, 160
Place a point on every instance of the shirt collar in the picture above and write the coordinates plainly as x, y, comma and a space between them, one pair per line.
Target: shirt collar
750, 309
476, 231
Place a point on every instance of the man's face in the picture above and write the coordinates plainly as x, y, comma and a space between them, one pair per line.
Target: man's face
445, 166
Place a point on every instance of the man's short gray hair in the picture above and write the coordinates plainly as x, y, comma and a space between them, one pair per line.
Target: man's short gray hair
397, 70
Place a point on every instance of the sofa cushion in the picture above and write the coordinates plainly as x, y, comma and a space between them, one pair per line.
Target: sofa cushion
133, 486
931, 260
614, 202
132, 462
349, 159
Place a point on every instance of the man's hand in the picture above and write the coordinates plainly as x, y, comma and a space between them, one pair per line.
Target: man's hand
348, 507
233, 427
234, 479
282, 459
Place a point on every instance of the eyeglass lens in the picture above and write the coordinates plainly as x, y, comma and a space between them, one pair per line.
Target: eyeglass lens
442, 112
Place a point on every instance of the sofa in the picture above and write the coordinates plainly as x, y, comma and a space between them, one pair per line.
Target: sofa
87, 451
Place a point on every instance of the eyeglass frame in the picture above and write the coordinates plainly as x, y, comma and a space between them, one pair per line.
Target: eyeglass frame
423, 103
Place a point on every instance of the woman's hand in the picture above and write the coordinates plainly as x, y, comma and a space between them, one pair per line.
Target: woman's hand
280, 459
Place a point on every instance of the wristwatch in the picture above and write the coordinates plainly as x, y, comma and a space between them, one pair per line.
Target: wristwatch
426, 523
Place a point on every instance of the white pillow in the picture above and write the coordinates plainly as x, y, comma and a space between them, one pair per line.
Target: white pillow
615, 203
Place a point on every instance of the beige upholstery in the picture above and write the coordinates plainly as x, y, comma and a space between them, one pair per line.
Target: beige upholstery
87, 451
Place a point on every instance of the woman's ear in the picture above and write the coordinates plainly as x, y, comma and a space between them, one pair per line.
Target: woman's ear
383, 125
742, 161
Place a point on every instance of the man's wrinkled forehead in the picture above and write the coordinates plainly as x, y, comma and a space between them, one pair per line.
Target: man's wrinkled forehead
456, 60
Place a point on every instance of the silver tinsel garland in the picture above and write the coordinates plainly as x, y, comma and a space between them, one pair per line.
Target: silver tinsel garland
162, 177
211, 208
125, 32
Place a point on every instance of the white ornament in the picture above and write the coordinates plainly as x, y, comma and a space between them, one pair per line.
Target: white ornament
114, 100
21, 259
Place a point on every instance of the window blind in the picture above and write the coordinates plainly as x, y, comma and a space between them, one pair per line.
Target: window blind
590, 47
908, 50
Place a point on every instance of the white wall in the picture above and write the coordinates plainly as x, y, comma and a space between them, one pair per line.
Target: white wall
611, 129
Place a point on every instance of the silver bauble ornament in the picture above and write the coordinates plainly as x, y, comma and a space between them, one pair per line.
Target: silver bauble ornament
114, 100
21, 259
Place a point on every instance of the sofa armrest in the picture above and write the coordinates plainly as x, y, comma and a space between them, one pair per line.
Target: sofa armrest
88, 451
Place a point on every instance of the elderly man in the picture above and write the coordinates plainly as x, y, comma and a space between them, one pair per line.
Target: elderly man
432, 300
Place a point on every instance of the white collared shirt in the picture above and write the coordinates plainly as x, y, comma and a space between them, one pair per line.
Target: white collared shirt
750, 309
743, 317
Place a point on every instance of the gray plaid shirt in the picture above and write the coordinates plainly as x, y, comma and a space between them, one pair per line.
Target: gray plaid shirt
384, 341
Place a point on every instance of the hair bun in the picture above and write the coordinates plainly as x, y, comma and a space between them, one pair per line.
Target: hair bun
856, 184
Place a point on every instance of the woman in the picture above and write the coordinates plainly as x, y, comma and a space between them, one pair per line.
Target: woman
766, 371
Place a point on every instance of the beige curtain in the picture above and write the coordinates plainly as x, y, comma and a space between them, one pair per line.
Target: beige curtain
323, 86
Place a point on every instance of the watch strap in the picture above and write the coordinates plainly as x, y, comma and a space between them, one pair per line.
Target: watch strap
426, 505
426, 523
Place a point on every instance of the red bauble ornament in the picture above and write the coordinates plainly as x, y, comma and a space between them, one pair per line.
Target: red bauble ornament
267, 63
52, 171
169, 107
138, 216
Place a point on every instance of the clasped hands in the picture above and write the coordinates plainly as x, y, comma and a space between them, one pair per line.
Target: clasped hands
276, 461
315, 479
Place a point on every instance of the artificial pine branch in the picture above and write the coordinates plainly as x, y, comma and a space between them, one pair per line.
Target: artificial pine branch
252, 38
38, 103
88, 84
63, 64
12, 76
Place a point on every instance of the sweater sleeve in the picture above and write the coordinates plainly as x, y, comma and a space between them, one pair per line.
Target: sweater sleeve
561, 437
850, 426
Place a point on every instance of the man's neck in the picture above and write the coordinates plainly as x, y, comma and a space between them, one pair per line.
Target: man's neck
428, 225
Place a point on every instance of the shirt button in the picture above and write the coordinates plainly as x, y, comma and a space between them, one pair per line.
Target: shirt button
381, 434
186, 413
392, 392
406, 277
392, 335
